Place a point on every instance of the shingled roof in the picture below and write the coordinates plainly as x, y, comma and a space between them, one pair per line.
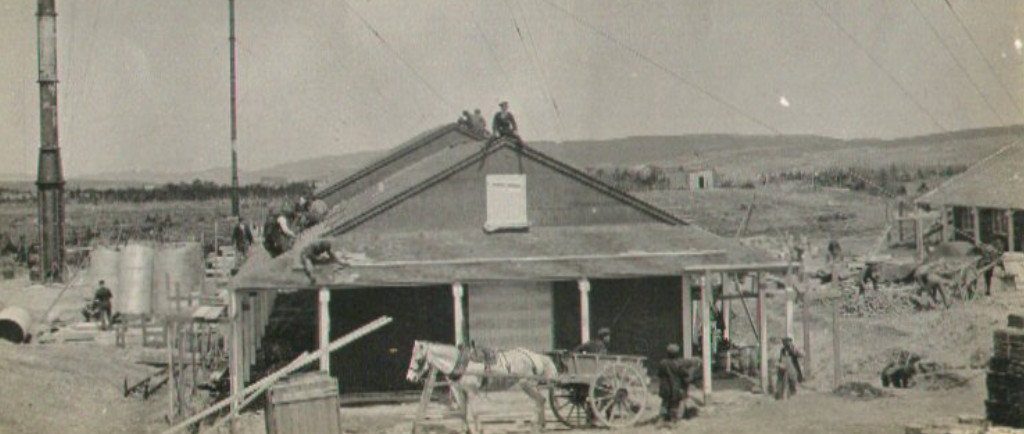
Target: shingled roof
994, 182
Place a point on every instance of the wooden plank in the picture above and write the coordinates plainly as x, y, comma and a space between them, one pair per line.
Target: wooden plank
324, 329
768, 267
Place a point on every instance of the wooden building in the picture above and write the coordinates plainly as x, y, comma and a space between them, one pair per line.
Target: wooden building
985, 203
492, 241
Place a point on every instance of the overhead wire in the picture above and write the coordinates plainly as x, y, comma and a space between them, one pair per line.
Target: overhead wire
440, 96
988, 64
538, 66
658, 65
878, 64
956, 60
493, 53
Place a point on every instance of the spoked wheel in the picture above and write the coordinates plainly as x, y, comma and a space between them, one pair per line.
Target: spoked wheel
569, 403
618, 396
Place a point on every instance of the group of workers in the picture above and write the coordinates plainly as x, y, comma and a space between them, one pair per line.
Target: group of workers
504, 123
676, 373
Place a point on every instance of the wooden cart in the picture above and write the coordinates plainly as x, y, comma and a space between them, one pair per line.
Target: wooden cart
601, 390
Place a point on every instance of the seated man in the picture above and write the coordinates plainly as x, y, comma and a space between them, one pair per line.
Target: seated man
599, 346
318, 253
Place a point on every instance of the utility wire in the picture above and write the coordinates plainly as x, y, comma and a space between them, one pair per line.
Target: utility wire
878, 65
988, 64
960, 65
532, 54
401, 59
493, 53
663, 68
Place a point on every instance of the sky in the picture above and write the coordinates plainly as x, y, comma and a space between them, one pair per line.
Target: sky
144, 84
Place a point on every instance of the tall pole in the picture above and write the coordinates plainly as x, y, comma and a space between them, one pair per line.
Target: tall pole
50, 178
234, 117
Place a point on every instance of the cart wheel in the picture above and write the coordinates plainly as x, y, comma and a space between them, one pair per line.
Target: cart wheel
618, 396
569, 403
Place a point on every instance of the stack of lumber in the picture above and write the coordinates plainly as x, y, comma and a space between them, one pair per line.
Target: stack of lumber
1005, 380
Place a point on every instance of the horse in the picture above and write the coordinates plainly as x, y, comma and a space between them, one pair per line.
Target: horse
502, 370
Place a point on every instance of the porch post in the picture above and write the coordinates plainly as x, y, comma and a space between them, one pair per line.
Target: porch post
705, 341
325, 328
726, 314
458, 291
1011, 237
790, 295
584, 286
944, 212
687, 317
237, 386
762, 319
976, 213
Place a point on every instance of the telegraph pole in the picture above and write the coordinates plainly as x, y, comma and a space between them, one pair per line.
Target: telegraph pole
235, 206
50, 178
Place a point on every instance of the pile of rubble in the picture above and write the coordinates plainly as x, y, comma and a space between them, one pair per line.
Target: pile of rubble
1005, 380
887, 300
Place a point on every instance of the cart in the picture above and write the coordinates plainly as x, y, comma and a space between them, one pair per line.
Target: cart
601, 390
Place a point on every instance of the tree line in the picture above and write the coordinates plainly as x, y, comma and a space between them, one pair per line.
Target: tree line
196, 190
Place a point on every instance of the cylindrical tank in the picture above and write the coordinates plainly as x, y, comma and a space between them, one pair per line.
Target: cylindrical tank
136, 280
15, 324
176, 266
104, 264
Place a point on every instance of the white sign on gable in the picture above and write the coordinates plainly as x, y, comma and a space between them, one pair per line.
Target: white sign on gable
506, 203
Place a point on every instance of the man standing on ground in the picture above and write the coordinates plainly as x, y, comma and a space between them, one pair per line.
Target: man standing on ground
102, 300
789, 370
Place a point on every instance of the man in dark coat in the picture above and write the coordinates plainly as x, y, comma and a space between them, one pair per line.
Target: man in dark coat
598, 346
504, 123
789, 370
991, 258
104, 307
242, 236
673, 383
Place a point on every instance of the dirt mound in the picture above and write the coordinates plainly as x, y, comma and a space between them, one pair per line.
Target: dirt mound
941, 381
872, 303
860, 390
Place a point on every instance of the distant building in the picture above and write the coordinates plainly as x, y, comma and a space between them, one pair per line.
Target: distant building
697, 179
986, 202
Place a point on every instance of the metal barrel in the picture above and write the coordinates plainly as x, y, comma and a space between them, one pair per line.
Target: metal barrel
14, 324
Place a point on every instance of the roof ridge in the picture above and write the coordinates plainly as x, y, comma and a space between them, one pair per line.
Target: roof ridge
973, 168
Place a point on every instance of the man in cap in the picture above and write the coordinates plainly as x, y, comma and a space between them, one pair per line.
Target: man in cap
674, 376
504, 123
789, 372
319, 252
599, 346
103, 306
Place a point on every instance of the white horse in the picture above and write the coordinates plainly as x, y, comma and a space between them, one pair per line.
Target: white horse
507, 369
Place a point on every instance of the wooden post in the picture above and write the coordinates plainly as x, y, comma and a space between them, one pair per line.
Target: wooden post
790, 295
325, 328
584, 286
705, 341
944, 221
726, 318
687, 317
976, 214
235, 316
919, 234
172, 398
1011, 238
837, 374
762, 320
458, 291
805, 314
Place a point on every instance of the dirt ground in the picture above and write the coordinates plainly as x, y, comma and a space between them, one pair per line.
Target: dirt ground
76, 387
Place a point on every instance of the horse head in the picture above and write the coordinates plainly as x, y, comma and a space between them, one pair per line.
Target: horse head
418, 362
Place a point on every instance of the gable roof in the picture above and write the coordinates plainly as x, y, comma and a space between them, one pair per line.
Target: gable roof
436, 168
396, 154
994, 182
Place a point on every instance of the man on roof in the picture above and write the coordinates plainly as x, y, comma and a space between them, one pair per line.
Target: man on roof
504, 123
319, 252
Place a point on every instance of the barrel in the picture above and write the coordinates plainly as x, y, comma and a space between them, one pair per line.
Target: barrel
176, 266
104, 264
136, 280
14, 324
305, 403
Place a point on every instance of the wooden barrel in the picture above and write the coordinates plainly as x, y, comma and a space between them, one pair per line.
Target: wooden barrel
305, 403
136, 280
